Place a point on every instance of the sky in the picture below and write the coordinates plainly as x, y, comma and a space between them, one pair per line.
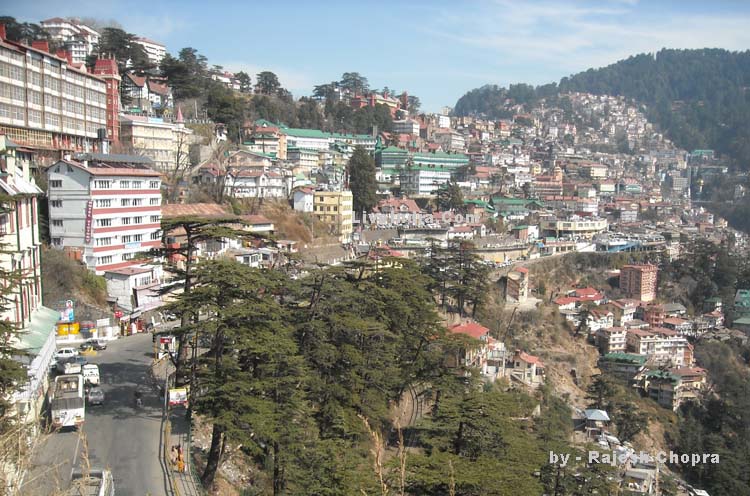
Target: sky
434, 49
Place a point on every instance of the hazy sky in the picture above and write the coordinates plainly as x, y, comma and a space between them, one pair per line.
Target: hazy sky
435, 49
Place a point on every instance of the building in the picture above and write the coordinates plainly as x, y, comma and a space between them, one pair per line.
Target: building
21, 245
622, 365
639, 281
163, 142
423, 181
107, 70
469, 356
517, 285
105, 208
253, 183
664, 345
406, 126
525, 368
302, 199
48, 104
450, 140
335, 210
155, 51
78, 39
146, 95
611, 339
671, 388
575, 227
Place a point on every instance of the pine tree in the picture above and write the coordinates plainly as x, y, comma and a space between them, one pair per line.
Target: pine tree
361, 171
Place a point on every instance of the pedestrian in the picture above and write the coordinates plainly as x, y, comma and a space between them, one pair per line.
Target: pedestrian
173, 455
180, 460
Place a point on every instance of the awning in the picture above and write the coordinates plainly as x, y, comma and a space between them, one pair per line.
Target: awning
43, 321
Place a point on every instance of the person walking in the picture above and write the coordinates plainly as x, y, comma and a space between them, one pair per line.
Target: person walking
180, 460
173, 456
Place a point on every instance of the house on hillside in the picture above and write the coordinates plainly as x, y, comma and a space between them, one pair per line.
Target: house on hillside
525, 368
474, 354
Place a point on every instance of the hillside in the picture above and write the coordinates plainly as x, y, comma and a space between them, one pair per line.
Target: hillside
698, 97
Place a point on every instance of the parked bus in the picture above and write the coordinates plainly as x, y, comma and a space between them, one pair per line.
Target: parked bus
68, 405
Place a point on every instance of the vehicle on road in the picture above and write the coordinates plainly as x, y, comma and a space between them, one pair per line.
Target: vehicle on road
95, 482
95, 396
68, 408
91, 374
68, 367
63, 353
96, 344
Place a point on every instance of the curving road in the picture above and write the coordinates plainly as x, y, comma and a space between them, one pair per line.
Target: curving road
118, 436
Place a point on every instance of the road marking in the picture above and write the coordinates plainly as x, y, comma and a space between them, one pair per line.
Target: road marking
75, 455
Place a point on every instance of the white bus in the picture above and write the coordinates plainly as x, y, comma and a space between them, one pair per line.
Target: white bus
68, 405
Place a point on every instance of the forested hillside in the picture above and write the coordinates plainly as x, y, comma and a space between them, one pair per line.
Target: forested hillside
698, 97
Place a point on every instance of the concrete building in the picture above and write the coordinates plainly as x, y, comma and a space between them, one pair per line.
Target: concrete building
335, 209
639, 281
517, 285
78, 39
155, 51
105, 209
302, 199
163, 142
46, 103
253, 183
450, 140
406, 126
22, 306
576, 227
423, 181
107, 70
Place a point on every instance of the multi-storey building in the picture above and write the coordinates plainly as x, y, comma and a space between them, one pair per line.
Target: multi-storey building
639, 281
450, 140
611, 340
517, 286
406, 126
20, 258
335, 210
155, 51
106, 209
78, 39
664, 345
107, 70
574, 226
423, 181
163, 142
254, 183
45, 102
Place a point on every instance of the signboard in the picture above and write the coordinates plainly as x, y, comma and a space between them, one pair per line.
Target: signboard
68, 314
177, 396
89, 216
133, 245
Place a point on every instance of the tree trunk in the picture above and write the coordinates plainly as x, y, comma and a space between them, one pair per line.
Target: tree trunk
185, 319
278, 471
214, 455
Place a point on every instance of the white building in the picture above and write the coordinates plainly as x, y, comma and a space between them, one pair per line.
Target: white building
302, 199
406, 126
19, 238
450, 140
444, 121
423, 180
78, 39
251, 183
161, 141
155, 51
106, 212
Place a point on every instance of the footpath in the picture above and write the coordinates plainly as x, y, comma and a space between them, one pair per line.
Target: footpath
177, 443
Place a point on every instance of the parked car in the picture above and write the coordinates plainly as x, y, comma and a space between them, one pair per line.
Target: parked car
64, 353
68, 366
91, 374
96, 396
97, 344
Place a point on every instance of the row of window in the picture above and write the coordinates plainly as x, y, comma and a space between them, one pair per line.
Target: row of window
125, 202
13, 92
126, 221
124, 184
12, 112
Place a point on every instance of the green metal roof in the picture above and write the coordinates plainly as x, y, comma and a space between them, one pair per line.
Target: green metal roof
662, 374
625, 357
42, 324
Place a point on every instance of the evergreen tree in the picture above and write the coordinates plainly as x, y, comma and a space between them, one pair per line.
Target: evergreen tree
361, 172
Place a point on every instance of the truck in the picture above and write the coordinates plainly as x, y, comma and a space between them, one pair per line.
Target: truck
91, 374
68, 407
97, 482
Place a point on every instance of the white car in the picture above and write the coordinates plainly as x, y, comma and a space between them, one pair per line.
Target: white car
64, 353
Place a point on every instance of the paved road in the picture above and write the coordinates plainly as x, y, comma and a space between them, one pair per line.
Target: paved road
118, 435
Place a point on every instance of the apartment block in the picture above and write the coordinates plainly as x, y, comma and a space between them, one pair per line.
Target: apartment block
639, 281
517, 285
335, 209
163, 142
46, 102
106, 209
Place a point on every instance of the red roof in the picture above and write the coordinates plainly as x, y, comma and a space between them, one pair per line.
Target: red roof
160, 89
525, 357
471, 329
101, 170
564, 300
137, 80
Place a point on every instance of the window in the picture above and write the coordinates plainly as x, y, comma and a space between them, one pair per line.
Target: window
103, 222
125, 202
55, 183
124, 184
127, 238
155, 218
57, 222
154, 185
105, 260
138, 237
57, 241
125, 221
56, 203
101, 184
103, 241
154, 201
128, 256
138, 220
103, 203
137, 184
155, 236
137, 201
